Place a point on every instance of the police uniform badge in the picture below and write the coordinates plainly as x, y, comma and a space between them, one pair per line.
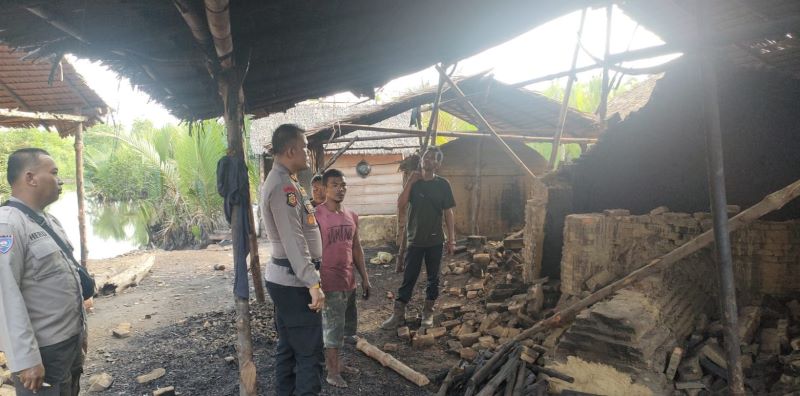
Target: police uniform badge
310, 219
291, 199
6, 242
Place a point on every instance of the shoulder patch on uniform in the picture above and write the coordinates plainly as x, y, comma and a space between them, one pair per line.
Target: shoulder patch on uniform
6, 242
288, 189
291, 199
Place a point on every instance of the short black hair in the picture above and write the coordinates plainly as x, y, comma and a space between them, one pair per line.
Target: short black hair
316, 178
329, 174
284, 136
20, 160
439, 155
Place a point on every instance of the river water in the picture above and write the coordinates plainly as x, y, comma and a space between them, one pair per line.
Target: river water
66, 211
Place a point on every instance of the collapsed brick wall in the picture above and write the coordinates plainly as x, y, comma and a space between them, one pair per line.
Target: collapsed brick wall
635, 329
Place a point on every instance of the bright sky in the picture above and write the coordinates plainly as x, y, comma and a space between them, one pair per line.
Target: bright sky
544, 50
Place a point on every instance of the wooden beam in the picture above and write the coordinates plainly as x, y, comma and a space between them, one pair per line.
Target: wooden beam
41, 116
21, 102
602, 108
679, 45
81, 194
469, 134
372, 138
338, 154
485, 124
562, 116
218, 15
430, 137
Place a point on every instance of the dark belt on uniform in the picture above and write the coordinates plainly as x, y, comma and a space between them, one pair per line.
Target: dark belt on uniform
282, 262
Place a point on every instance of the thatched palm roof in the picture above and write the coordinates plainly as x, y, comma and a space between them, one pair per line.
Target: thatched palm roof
313, 115
25, 86
633, 99
295, 49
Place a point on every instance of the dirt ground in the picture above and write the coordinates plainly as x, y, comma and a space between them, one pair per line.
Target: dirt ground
182, 320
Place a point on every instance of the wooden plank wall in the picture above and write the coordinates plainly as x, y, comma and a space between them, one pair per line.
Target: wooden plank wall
504, 189
377, 193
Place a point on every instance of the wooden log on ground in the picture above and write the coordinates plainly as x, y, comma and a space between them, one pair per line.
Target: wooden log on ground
130, 277
484, 371
519, 385
448, 380
508, 369
552, 373
388, 360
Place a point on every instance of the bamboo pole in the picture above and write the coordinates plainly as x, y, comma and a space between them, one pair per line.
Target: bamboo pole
485, 124
562, 116
81, 194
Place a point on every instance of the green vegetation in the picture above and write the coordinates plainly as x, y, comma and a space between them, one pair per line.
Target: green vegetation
160, 182
60, 149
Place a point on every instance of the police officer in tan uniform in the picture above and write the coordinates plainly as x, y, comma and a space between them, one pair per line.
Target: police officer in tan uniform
41, 306
292, 277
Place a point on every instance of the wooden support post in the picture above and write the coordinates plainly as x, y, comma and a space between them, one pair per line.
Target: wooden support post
81, 193
562, 116
475, 200
230, 80
485, 124
716, 186
602, 108
430, 138
318, 153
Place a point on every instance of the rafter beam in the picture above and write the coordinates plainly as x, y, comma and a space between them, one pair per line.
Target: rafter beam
40, 116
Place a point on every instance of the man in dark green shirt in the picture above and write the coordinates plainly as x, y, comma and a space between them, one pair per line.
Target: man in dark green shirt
430, 198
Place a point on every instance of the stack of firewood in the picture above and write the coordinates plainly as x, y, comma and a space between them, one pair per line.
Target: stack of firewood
513, 370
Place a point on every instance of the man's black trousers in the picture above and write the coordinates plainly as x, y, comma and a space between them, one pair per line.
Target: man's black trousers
299, 355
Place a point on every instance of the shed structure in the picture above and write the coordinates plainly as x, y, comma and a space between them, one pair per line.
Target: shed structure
53, 95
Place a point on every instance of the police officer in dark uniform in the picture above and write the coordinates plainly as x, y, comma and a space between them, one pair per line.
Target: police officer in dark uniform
292, 278
42, 322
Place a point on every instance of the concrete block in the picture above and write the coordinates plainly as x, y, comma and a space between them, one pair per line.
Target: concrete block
468, 354
390, 347
469, 339
674, 360
100, 382
770, 344
423, 340
151, 376
749, 320
166, 391
436, 332
689, 369
404, 333
714, 353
